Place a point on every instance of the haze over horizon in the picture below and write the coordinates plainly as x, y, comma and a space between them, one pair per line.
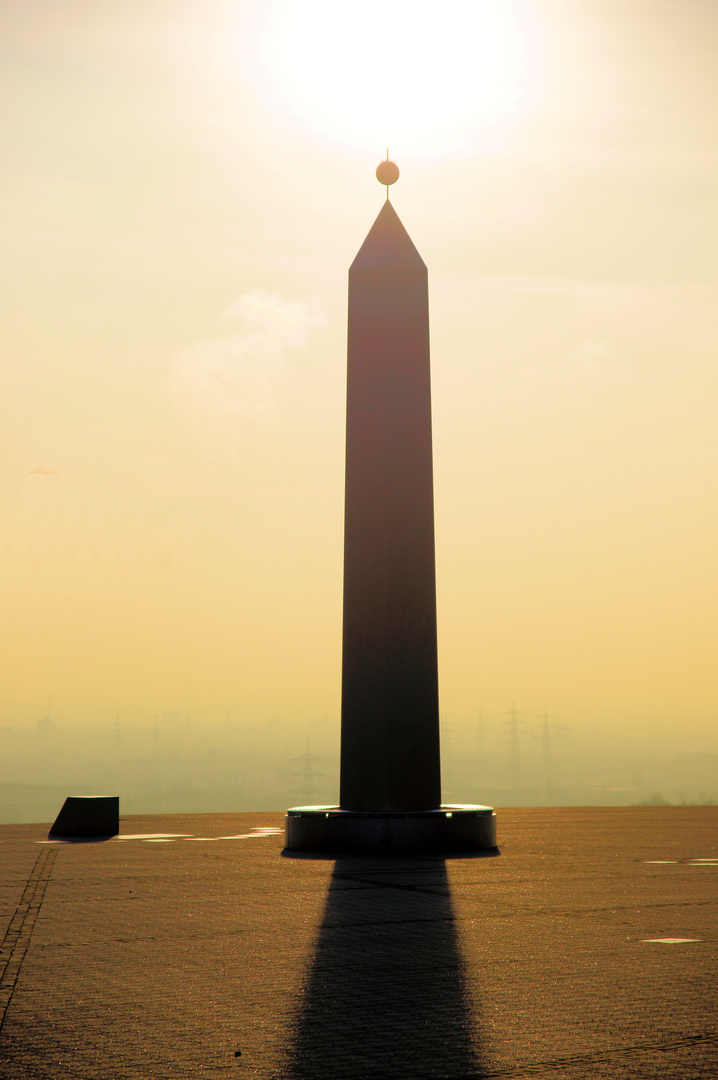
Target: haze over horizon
184, 189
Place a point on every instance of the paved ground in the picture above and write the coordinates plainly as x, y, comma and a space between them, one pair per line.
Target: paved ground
193, 957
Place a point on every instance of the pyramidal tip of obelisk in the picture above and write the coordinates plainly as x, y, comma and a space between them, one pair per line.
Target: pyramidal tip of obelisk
387, 244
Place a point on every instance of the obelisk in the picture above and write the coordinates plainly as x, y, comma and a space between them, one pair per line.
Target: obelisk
390, 785
390, 693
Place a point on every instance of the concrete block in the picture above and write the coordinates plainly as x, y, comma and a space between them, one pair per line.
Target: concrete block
85, 816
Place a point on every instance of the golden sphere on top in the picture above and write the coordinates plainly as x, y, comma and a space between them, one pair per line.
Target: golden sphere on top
387, 172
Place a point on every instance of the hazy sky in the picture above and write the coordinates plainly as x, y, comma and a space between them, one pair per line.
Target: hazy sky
184, 185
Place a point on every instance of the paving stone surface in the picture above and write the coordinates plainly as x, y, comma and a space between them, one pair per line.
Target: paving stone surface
210, 953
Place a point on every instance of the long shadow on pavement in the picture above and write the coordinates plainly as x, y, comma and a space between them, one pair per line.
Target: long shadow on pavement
386, 994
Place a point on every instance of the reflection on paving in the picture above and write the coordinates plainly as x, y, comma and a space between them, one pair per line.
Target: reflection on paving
163, 838
670, 940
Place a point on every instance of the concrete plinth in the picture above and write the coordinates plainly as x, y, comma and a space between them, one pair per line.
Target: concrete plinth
442, 831
86, 816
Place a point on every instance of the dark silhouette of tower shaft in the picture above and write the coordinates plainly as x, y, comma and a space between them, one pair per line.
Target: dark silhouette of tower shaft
390, 791
390, 698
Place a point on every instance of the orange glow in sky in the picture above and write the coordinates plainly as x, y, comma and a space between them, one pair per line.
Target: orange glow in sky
184, 187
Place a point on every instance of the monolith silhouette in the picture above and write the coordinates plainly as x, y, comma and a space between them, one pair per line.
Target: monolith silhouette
390, 694
390, 785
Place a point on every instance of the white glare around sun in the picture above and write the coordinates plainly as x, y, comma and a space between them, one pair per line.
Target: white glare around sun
429, 77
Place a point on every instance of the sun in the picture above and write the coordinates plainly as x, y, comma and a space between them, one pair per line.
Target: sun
416, 76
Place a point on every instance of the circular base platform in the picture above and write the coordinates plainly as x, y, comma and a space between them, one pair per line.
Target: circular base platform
447, 829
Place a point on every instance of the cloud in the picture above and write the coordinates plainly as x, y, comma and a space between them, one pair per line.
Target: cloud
222, 386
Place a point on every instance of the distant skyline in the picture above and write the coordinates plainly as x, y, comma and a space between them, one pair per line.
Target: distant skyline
174, 765
184, 187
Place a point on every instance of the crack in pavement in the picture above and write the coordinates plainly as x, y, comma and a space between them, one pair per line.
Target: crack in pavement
17, 936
